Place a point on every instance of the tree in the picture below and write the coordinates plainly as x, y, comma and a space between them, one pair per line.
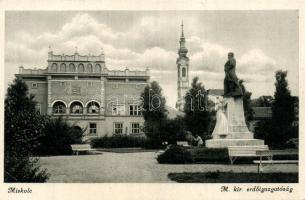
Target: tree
277, 131
247, 103
283, 104
282, 110
197, 117
173, 130
154, 112
23, 128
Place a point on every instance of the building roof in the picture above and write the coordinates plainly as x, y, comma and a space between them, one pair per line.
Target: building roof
262, 112
85, 61
215, 92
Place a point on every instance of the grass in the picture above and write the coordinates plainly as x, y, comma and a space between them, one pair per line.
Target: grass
230, 177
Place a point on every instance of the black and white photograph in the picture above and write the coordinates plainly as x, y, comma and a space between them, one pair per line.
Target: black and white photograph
152, 96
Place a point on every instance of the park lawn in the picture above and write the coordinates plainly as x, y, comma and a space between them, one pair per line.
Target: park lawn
231, 177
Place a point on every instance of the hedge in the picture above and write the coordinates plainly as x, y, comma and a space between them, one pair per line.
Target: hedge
175, 155
120, 141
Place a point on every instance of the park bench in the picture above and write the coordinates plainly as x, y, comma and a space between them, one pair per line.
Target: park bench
245, 151
76, 148
270, 154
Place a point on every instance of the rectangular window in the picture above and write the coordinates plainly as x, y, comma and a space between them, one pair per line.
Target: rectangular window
34, 85
135, 110
92, 128
135, 128
118, 128
118, 109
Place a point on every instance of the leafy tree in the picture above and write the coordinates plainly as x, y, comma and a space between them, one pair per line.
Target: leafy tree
283, 104
282, 110
277, 131
154, 113
173, 130
247, 103
197, 117
23, 128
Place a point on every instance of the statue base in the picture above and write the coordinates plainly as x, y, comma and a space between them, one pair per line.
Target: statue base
237, 132
224, 143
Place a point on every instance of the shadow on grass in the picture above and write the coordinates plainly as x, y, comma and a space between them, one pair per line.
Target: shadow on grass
230, 177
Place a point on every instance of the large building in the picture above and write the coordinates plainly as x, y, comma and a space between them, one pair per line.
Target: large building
87, 94
183, 72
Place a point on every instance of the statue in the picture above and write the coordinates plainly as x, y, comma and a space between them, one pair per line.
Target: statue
221, 129
232, 86
231, 128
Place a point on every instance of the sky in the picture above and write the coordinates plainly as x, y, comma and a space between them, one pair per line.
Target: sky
262, 41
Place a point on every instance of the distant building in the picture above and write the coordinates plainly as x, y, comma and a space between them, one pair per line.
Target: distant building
262, 113
82, 90
183, 72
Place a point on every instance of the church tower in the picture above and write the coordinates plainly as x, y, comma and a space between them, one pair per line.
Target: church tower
183, 72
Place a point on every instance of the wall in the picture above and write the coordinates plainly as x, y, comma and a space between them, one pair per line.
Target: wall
118, 92
40, 93
81, 90
105, 126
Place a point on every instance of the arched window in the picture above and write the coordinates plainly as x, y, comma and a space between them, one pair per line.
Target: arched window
98, 68
183, 72
89, 68
62, 67
81, 68
59, 107
93, 107
76, 108
71, 67
54, 67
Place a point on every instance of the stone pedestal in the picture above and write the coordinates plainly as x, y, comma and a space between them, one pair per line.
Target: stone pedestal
223, 143
237, 131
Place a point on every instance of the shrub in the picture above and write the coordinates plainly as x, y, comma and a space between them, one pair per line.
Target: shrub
121, 141
293, 143
59, 136
175, 155
203, 154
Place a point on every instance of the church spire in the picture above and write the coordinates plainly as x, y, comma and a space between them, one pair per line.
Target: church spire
182, 34
182, 50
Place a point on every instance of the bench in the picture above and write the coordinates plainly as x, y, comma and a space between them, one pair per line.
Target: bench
270, 154
245, 151
76, 148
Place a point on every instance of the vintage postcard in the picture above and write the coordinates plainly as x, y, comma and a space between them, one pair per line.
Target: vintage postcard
152, 100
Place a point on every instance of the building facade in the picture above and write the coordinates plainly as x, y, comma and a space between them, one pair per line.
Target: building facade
183, 72
82, 90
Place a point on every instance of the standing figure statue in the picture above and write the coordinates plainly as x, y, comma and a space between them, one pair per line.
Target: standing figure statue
221, 129
232, 86
231, 128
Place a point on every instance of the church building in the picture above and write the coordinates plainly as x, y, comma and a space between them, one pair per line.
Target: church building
82, 90
183, 72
